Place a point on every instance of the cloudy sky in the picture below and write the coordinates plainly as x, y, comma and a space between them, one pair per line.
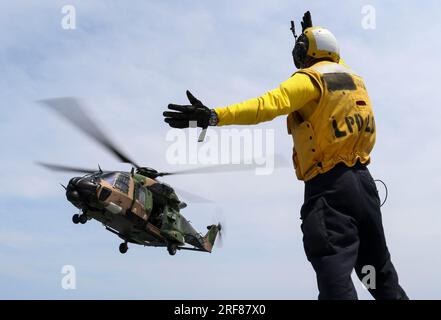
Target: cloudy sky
128, 61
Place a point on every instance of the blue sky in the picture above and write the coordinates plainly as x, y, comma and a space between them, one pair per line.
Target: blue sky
128, 61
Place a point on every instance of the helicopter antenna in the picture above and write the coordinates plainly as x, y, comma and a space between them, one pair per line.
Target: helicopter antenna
99, 168
64, 187
293, 30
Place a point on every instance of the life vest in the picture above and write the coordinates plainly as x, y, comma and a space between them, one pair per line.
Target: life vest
341, 128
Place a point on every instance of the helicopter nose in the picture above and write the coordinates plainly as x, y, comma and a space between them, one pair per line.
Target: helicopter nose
80, 190
71, 192
72, 195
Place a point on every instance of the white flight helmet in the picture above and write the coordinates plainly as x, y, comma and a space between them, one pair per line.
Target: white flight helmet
314, 43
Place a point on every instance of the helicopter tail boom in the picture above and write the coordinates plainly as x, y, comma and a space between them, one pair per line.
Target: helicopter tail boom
211, 236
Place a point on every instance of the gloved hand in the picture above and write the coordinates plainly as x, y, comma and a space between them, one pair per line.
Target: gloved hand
195, 112
307, 21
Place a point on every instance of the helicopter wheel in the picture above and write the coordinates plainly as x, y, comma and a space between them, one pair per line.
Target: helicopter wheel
123, 247
83, 219
76, 218
172, 248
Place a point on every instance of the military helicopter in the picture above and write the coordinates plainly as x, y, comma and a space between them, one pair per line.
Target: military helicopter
133, 205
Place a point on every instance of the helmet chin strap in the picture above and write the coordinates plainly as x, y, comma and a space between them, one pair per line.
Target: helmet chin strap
311, 61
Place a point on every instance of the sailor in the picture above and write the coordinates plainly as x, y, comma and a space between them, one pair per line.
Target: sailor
331, 120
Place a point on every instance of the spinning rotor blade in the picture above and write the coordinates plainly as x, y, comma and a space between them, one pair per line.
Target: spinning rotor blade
61, 168
279, 162
71, 109
220, 221
221, 236
191, 196
211, 169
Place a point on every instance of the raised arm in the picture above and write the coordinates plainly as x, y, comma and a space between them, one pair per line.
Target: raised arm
290, 96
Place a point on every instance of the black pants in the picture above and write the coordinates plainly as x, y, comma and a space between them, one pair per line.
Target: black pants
342, 230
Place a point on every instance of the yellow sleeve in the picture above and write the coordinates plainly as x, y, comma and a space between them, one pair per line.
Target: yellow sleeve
290, 96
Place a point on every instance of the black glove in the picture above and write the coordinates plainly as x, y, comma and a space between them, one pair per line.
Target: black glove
307, 21
195, 112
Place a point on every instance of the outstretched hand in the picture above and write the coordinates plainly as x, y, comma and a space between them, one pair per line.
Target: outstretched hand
196, 112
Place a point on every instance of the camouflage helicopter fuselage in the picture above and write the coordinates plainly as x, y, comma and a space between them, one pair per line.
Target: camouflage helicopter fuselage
133, 205
138, 209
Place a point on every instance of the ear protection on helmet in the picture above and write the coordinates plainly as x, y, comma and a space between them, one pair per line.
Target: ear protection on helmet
300, 51
301, 46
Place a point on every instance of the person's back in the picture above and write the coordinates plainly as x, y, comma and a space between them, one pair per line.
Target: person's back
337, 127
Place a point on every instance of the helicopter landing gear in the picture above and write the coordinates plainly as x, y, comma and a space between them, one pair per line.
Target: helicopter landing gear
83, 219
172, 248
123, 247
76, 218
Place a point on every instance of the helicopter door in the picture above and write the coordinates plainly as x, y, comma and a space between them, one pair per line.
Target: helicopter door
142, 201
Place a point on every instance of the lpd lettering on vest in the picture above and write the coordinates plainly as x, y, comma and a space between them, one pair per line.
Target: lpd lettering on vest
352, 123
342, 130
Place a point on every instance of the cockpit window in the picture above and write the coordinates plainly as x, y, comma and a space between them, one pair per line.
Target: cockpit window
140, 194
122, 183
109, 177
